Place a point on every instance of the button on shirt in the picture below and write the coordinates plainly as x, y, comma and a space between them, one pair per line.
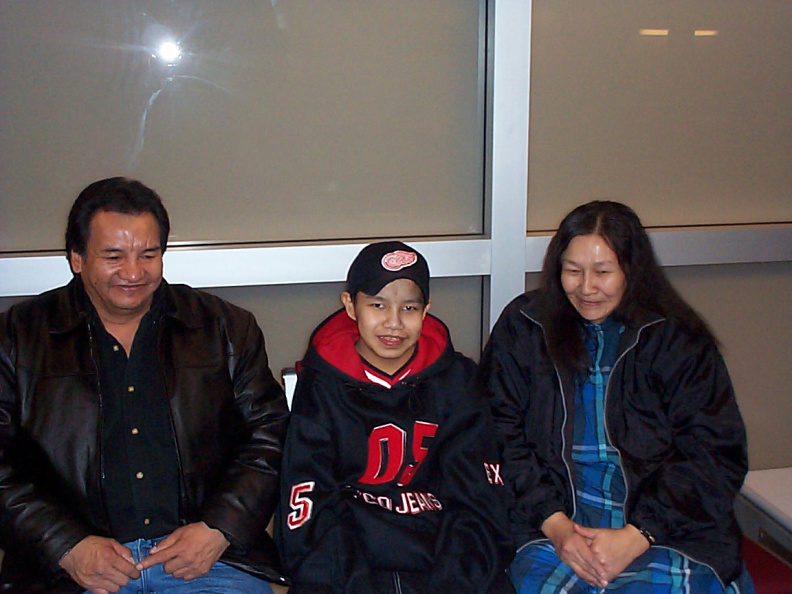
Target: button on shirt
141, 484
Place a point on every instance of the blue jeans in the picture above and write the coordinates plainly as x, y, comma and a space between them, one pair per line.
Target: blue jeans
221, 579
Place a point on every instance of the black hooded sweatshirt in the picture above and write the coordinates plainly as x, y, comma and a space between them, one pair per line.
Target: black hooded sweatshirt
391, 483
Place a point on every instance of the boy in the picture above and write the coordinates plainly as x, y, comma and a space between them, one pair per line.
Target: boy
390, 481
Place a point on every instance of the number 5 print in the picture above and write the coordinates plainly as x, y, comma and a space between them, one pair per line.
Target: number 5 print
302, 505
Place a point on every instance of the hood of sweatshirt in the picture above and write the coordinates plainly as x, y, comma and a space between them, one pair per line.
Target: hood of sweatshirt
333, 344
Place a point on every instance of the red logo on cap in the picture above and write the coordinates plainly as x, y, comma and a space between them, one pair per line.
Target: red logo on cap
399, 259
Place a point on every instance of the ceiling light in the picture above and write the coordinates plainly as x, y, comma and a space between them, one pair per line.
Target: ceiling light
654, 32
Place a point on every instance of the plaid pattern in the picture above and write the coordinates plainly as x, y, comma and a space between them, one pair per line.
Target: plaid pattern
600, 492
538, 570
600, 489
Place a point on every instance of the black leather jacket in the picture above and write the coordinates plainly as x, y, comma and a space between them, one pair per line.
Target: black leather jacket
228, 415
670, 411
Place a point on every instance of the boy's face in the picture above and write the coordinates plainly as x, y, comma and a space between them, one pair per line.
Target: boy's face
389, 323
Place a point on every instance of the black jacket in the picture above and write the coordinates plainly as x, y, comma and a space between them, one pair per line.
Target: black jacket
670, 411
228, 416
352, 518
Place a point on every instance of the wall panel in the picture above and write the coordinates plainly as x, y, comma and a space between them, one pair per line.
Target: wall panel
679, 108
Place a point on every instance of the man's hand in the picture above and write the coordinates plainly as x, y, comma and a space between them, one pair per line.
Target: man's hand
573, 549
614, 549
100, 565
189, 552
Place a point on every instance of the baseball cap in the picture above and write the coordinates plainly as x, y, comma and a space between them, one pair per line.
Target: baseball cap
378, 264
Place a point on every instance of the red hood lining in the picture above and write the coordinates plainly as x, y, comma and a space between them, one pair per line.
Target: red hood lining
335, 342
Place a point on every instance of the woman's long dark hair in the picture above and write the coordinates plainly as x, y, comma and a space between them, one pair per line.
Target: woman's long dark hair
647, 288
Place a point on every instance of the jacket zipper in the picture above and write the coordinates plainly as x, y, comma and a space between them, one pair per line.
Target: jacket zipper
99, 426
605, 408
564, 422
618, 451
397, 583
163, 381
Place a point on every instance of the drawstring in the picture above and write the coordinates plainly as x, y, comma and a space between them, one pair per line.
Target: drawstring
413, 400
414, 403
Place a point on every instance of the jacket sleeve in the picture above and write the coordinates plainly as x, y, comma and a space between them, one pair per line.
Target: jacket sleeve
245, 498
33, 521
473, 547
515, 376
705, 455
314, 529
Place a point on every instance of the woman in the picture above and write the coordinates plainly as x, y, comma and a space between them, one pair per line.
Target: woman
623, 444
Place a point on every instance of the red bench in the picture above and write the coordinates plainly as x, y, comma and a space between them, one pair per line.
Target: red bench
770, 574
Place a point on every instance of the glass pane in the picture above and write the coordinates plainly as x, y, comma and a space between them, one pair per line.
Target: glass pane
680, 108
256, 121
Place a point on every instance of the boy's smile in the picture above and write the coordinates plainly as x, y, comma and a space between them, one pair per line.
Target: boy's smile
389, 323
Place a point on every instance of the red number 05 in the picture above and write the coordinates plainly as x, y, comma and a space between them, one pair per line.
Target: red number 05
386, 453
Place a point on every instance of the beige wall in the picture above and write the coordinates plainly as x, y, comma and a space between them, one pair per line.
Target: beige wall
689, 129
750, 310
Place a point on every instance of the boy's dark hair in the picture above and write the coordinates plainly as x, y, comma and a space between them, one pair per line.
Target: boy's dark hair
381, 263
114, 194
647, 288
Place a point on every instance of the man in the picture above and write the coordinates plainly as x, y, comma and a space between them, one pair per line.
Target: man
140, 425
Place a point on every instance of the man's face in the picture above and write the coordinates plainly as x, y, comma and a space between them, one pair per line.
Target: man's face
389, 323
122, 266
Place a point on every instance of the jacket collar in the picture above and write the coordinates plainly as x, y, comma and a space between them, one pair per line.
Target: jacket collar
72, 307
177, 305
534, 309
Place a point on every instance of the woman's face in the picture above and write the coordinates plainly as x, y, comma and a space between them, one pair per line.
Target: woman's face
591, 276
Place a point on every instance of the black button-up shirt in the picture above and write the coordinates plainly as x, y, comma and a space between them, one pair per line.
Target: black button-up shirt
141, 478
